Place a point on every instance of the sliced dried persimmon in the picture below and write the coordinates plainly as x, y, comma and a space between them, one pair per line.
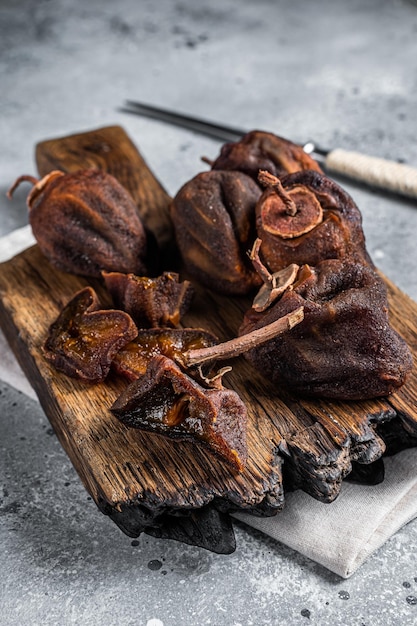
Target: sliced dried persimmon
168, 402
152, 302
132, 360
84, 339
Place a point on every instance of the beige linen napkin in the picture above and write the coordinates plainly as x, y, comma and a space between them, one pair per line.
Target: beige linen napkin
341, 535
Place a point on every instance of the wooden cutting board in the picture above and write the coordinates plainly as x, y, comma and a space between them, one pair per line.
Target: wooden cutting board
165, 488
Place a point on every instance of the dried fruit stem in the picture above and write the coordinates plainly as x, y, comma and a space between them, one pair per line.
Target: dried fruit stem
25, 178
235, 347
259, 267
269, 180
38, 185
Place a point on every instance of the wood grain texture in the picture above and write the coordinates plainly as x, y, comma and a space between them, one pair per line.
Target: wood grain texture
122, 468
166, 488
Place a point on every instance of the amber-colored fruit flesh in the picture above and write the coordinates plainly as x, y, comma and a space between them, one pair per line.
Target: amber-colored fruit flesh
177, 412
132, 360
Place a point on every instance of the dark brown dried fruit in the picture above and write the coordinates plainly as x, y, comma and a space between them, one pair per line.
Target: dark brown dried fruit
168, 402
258, 150
345, 347
325, 222
84, 339
151, 302
86, 222
132, 360
214, 220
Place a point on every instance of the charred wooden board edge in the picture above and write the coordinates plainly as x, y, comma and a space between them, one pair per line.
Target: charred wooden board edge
206, 527
131, 510
296, 465
209, 526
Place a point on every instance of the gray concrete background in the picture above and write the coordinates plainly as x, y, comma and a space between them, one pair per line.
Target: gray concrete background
341, 73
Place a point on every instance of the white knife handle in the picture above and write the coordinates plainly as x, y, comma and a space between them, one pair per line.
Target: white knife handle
375, 171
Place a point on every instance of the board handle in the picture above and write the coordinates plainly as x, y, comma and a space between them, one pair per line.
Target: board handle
382, 173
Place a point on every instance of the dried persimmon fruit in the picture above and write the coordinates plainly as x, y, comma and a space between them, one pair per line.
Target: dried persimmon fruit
84, 339
166, 401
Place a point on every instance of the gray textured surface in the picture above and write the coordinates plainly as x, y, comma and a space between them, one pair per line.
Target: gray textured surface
343, 73
63, 562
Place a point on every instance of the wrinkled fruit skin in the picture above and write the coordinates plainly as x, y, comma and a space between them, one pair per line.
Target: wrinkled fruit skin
258, 150
151, 302
86, 222
213, 217
345, 347
168, 402
338, 235
84, 339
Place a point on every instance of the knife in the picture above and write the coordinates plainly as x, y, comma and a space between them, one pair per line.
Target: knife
374, 171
